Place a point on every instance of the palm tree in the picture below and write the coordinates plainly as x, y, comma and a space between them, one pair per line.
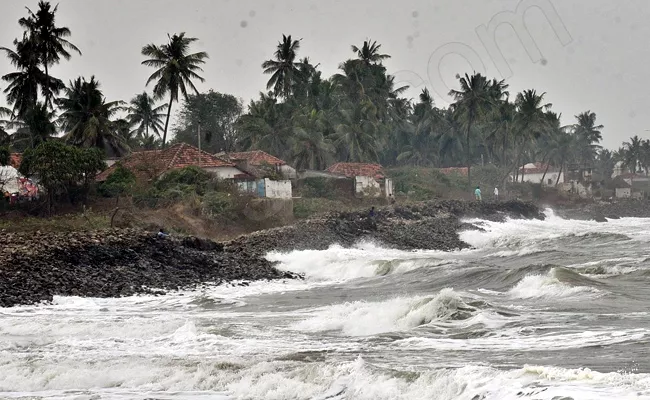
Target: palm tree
589, 135
87, 118
25, 84
145, 115
175, 69
285, 72
312, 149
49, 40
472, 101
35, 127
632, 154
369, 53
531, 120
355, 137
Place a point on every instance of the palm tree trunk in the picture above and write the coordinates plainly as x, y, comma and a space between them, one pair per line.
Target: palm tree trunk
169, 111
47, 94
545, 171
468, 153
557, 182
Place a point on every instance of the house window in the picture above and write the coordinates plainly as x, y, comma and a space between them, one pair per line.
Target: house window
550, 182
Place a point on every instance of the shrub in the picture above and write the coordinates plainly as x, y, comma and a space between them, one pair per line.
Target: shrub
217, 203
194, 176
120, 181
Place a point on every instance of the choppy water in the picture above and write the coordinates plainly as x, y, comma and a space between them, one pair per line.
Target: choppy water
551, 310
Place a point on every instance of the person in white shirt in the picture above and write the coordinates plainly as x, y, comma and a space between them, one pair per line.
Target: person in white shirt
496, 194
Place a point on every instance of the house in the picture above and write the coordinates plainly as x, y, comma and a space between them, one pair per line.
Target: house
261, 160
151, 164
534, 173
369, 179
259, 174
621, 188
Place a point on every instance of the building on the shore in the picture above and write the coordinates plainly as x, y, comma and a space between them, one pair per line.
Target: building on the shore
369, 179
539, 173
149, 165
261, 160
264, 175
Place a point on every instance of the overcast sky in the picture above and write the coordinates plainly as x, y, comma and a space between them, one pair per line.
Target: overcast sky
597, 61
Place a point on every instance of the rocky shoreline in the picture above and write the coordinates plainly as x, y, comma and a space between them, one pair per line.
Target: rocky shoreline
117, 263
428, 226
34, 267
602, 211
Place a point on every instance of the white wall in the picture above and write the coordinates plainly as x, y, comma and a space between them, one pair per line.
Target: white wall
388, 187
623, 193
224, 172
537, 178
276, 189
366, 186
8, 179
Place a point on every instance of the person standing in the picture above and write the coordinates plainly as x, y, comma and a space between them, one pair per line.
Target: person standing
496, 194
477, 193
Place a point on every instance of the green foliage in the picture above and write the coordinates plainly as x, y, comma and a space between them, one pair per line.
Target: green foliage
182, 179
5, 155
61, 168
175, 68
217, 203
216, 114
122, 180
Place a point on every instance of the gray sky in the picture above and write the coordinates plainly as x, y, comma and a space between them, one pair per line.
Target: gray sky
598, 66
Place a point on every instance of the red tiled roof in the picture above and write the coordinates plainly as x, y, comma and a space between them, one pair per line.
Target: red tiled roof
150, 164
256, 158
453, 170
539, 169
15, 160
357, 169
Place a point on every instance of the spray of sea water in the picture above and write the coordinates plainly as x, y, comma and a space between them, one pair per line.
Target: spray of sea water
542, 310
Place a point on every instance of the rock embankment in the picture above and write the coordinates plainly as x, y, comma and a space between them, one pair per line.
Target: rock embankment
603, 210
430, 226
36, 266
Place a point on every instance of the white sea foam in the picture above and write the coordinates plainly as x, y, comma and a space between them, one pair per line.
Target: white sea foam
338, 264
549, 287
398, 314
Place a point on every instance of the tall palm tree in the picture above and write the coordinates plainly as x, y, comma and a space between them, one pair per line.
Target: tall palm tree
632, 154
26, 83
589, 134
472, 101
175, 67
369, 53
356, 133
531, 120
144, 115
284, 69
86, 117
49, 40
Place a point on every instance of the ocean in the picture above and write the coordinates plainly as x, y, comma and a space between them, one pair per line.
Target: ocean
541, 310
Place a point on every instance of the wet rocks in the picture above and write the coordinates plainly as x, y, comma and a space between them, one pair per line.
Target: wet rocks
36, 266
603, 211
431, 225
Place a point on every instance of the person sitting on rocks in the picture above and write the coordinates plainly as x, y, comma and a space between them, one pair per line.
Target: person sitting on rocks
477, 193
162, 234
391, 199
372, 212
